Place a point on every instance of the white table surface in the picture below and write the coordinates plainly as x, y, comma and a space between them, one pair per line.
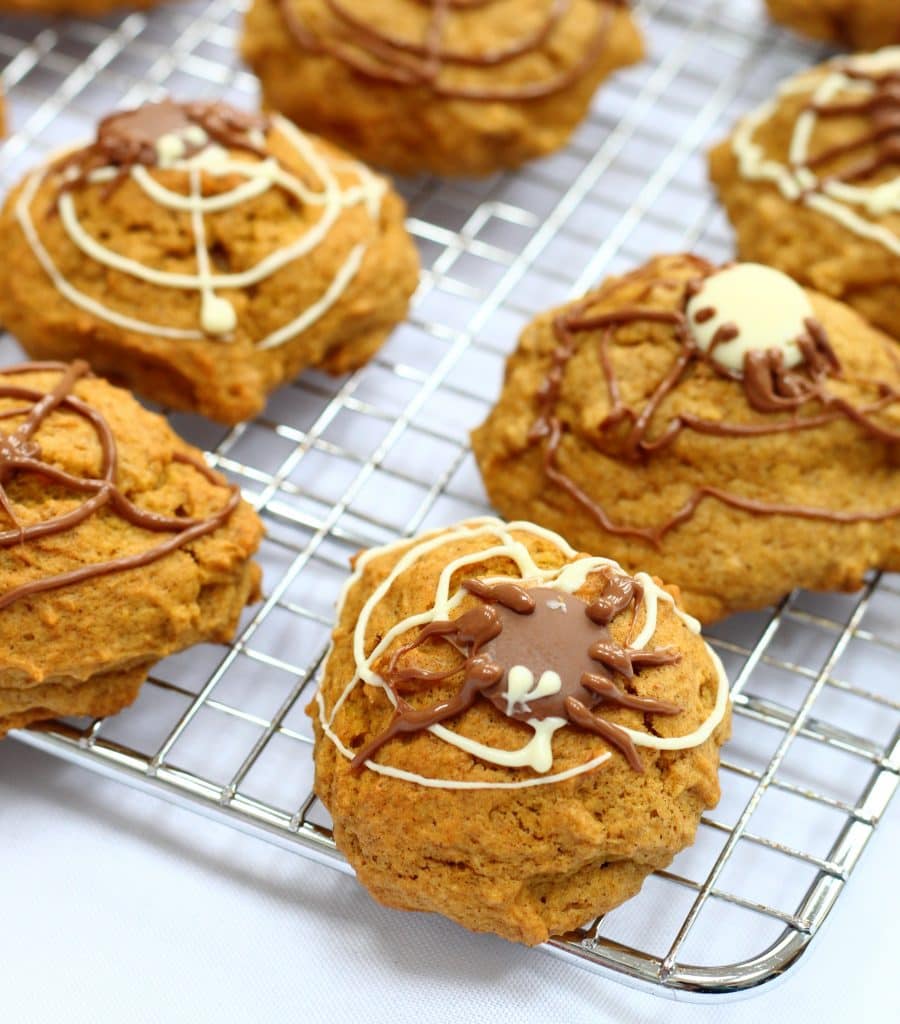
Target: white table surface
118, 907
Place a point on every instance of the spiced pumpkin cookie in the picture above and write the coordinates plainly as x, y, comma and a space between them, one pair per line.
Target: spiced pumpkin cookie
439, 85
118, 546
862, 24
204, 256
811, 182
511, 733
721, 427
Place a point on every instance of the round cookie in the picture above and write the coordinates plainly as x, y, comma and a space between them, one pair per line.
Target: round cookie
510, 733
118, 546
861, 24
204, 256
722, 427
811, 182
444, 86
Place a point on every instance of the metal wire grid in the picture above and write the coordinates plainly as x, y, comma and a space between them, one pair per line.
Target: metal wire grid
337, 465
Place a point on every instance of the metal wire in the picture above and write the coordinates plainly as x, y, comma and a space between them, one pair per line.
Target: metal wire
333, 466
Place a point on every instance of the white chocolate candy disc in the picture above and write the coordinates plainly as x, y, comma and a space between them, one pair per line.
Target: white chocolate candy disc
768, 308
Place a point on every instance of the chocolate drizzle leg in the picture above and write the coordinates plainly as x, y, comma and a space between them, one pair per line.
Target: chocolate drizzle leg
20, 453
379, 55
534, 653
801, 394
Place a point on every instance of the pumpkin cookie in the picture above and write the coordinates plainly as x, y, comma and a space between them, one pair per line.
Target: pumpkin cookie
811, 182
511, 733
440, 85
204, 256
722, 427
118, 546
862, 24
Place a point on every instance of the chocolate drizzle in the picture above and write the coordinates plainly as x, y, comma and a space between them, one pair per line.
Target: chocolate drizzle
559, 644
768, 386
882, 108
771, 387
381, 56
20, 453
127, 138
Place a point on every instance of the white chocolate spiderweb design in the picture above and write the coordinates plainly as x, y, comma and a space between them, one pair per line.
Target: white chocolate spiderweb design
217, 320
499, 542
851, 204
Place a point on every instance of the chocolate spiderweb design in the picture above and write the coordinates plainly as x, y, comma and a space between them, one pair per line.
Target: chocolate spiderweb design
518, 636
845, 180
382, 56
768, 385
20, 453
196, 144
529, 646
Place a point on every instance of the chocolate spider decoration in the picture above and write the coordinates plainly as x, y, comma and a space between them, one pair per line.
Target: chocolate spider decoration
534, 653
127, 138
768, 383
20, 453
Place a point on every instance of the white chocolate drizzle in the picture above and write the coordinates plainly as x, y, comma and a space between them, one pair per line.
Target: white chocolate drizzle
844, 202
217, 316
521, 687
499, 541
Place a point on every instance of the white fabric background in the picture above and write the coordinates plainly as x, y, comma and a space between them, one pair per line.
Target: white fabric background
118, 907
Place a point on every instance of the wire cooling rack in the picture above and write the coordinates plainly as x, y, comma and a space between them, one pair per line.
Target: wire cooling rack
336, 465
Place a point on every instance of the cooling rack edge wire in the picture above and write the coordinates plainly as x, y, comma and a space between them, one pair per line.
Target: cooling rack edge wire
816, 753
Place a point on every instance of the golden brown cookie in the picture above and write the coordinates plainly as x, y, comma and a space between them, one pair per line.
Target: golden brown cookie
811, 182
862, 24
721, 427
204, 256
440, 85
118, 546
511, 733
